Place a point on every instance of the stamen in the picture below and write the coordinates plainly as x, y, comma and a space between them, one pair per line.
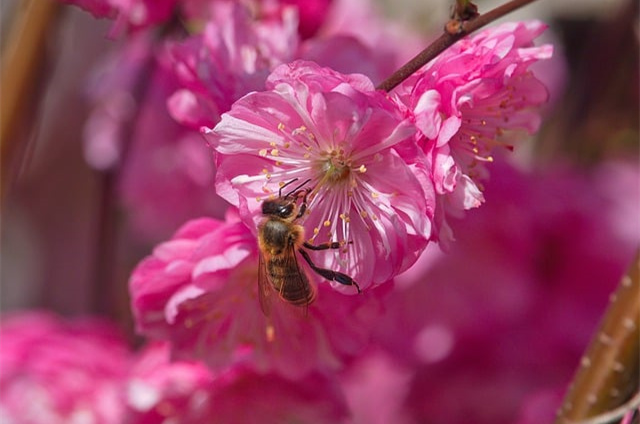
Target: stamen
270, 333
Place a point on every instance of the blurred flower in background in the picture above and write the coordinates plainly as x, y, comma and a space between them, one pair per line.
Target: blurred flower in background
57, 372
110, 210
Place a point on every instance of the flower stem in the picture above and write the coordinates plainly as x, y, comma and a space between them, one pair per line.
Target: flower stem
608, 372
454, 31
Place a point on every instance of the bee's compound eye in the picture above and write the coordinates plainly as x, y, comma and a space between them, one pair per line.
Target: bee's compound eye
285, 210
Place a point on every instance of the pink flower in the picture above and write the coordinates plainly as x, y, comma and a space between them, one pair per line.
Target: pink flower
312, 14
98, 8
392, 44
54, 372
474, 97
245, 397
480, 323
233, 56
159, 390
167, 171
129, 15
376, 387
199, 291
338, 132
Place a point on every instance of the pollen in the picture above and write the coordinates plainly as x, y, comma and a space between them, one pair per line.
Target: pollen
374, 195
270, 333
274, 152
281, 184
265, 171
364, 214
281, 126
362, 169
273, 144
326, 223
263, 152
286, 145
316, 230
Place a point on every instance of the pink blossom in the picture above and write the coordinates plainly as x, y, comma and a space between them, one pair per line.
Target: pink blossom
187, 392
158, 389
312, 14
376, 387
338, 132
476, 96
470, 322
98, 8
129, 15
199, 291
233, 56
55, 372
392, 44
167, 171
246, 397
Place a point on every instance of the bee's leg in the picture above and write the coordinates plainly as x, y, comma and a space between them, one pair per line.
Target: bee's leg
295, 191
303, 204
329, 274
324, 246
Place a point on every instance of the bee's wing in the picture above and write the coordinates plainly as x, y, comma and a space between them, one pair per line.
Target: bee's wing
264, 286
298, 288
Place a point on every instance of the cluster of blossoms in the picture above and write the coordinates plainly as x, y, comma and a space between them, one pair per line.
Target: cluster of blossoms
82, 371
282, 92
488, 361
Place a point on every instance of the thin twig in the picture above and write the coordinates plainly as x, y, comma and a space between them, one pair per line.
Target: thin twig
446, 40
616, 414
608, 372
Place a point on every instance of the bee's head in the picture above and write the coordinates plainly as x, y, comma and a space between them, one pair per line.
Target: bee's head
284, 208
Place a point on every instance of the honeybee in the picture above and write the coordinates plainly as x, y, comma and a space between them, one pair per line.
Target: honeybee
280, 239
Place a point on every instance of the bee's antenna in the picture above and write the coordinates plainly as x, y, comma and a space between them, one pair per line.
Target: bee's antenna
295, 189
286, 184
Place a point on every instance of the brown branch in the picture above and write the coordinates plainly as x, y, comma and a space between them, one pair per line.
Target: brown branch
454, 31
608, 372
21, 60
